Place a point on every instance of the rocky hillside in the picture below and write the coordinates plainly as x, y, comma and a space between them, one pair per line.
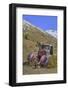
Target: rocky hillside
32, 36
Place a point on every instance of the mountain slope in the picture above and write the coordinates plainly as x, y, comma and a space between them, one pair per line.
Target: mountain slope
32, 36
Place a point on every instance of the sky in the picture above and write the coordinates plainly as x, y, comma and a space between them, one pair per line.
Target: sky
43, 22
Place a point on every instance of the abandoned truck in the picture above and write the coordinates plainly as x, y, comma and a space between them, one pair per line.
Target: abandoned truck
41, 57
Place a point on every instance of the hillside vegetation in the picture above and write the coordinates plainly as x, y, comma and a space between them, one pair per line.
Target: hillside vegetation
32, 36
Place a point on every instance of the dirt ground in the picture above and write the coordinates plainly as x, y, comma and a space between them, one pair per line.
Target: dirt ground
27, 70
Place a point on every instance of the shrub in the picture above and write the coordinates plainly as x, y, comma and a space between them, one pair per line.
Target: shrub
26, 36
